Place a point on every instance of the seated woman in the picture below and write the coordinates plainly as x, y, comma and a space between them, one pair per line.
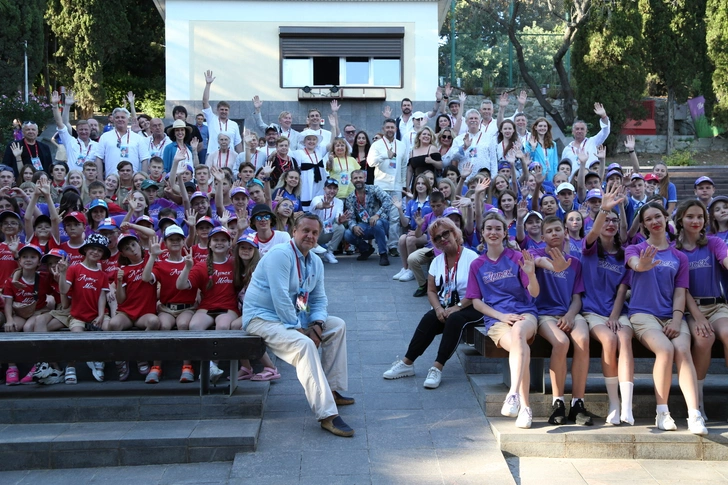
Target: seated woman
450, 313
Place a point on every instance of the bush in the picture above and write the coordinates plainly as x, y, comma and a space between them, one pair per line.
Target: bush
680, 158
37, 110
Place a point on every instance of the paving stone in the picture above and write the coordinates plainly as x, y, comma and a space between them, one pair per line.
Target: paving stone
133, 474
192, 473
164, 433
342, 462
258, 465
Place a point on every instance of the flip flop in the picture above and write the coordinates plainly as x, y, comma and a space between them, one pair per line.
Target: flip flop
268, 374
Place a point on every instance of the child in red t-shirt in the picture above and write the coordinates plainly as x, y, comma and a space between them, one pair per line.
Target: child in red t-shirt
43, 231
75, 225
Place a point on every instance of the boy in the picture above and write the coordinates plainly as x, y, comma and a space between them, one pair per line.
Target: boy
156, 169
704, 189
90, 172
202, 177
565, 192
75, 225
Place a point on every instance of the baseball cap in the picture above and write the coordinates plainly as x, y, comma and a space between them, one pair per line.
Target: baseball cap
172, 230
248, 238
592, 162
190, 186
702, 179
533, 213
651, 177
614, 166
145, 218
108, 224
53, 253
636, 176
75, 215
565, 186
451, 210
331, 181
717, 198
533, 165
594, 194
198, 194
612, 173
33, 247
205, 219
418, 115
503, 165
219, 230
239, 190
125, 236
149, 183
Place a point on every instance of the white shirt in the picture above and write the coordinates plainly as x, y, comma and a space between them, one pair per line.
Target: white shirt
390, 174
77, 152
329, 216
279, 237
215, 127
456, 280
489, 127
114, 148
156, 149
481, 153
588, 144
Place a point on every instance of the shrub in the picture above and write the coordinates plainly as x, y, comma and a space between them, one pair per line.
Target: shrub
37, 110
680, 158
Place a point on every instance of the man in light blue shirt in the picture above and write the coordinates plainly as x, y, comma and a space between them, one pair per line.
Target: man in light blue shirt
285, 304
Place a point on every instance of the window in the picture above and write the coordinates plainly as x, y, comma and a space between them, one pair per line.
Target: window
356, 56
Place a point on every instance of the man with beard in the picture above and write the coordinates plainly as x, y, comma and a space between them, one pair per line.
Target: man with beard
93, 125
369, 208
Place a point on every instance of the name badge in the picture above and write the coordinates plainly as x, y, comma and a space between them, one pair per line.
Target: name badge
344, 179
393, 163
36, 163
124, 151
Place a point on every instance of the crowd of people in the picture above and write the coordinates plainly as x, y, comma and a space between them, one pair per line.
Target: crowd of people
135, 225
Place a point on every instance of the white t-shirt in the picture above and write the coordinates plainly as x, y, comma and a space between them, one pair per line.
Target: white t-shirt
215, 127
457, 280
76, 151
328, 216
157, 149
114, 148
279, 237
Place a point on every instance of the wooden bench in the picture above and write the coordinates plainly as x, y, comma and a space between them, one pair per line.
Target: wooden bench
202, 346
541, 349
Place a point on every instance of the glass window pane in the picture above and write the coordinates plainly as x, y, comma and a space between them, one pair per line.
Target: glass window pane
297, 72
325, 71
386, 72
357, 71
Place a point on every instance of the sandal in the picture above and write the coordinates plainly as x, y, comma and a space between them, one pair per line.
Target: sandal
244, 374
268, 374
71, 375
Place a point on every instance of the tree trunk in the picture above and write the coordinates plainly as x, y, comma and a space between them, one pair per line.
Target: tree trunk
566, 88
670, 119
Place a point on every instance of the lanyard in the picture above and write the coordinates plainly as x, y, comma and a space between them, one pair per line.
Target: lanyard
475, 143
581, 146
220, 125
119, 137
27, 147
454, 269
486, 126
80, 147
309, 156
298, 265
227, 158
341, 169
394, 147
152, 145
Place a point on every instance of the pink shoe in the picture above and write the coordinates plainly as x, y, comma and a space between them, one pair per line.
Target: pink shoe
268, 374
28, 379
12, 377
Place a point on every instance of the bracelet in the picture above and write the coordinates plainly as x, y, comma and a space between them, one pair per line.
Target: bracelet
676, 310
605, 212
446, 97
630, 151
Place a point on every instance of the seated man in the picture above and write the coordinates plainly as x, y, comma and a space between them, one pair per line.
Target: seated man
330, 210
369, 208
294, 327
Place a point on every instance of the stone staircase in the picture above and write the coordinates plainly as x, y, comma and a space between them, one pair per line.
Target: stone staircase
128, 423
684, 179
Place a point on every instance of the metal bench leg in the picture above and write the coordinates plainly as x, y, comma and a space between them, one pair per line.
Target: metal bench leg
233, 376
204, 377
538, 378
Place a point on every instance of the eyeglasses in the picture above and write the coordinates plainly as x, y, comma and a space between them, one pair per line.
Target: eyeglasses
350, 132
611, 220
445, 137
441, 236
264, 217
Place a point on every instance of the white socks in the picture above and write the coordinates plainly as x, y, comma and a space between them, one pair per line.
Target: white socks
612, 384
626, 389
555, 398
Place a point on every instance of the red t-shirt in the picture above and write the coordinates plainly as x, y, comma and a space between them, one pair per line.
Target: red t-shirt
86, 287
8, 264
199, 255
74, 257
141, 297
26, 295
111, 266
221, 296
166, 273
51, 244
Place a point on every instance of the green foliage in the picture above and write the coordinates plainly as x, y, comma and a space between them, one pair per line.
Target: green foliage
20, 21
680, 158
717, 45
703, 128
607, 63
11, 107
149, 93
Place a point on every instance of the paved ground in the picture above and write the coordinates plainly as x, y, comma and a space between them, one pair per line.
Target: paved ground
404, 433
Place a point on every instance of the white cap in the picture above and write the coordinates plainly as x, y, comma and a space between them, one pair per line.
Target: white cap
173, 229
417, 115
565, 186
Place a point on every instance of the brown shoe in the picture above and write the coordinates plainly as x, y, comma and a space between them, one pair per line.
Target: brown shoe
338, 427
342, 400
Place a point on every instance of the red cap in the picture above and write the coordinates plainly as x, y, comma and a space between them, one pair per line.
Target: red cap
651, 177
78, 216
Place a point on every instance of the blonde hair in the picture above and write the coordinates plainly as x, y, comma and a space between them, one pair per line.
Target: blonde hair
448, 225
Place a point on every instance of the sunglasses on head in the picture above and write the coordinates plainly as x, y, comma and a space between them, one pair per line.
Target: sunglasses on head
26, 123
441, 236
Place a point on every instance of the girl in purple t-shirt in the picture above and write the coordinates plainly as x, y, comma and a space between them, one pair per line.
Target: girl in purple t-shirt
574, 222
718, 211
502, 284
708, 310
657, 308
605, 289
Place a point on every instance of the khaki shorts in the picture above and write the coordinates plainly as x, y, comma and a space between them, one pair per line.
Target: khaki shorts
75, 322
499, 329
642, 322
62, 315
176, 313
543, 319
714, 312
595, 320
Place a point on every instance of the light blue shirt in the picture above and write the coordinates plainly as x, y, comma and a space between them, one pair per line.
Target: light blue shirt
274, 288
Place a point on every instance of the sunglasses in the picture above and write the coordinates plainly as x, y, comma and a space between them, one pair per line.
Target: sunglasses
441, 236
264, 217
350, 132
445, 137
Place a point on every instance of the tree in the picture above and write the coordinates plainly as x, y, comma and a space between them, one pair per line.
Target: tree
21, 21
674, 31
717, 47
89, 35
608, 66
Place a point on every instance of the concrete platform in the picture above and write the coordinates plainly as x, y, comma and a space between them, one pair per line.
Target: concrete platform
641, 441
124, 443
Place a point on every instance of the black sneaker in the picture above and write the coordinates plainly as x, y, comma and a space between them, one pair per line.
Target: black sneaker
558, 416
383, 260
393, 252
579, 415
365, 254
421, 291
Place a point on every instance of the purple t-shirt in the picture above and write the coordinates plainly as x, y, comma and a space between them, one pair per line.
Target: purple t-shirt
723, 236
557, 288
529, 244
160, 204
575, 247
704, 269
652, 291
500, 284
588, 224
601, 280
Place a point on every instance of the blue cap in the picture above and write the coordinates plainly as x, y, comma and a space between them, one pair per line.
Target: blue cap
248, 238
594, 194
98, 203
108, 224
219, 230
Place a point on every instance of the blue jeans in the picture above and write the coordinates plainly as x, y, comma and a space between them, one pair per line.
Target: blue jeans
378, 232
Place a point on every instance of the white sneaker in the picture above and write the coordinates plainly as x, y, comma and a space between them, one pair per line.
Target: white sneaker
399, 275
327, 257
97, 368
434, 376
525, 418
665, 422
408, 275
215, 372
696, 425
319, 250
511, 405
399, 369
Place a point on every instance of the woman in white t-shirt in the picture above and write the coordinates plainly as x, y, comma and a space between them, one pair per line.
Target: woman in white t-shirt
451, 313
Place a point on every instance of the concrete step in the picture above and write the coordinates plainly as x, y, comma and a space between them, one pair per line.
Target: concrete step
641, 441
124, 443
491, 393
128, 401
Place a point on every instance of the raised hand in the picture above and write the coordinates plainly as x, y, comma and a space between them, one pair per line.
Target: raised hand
268, 168
209, 78
13, 242
130, 96
583, 156
511, 156
599, 110
217, 174
522, 211
189, 262
539, 177
558, 261
419, 220
397, 202
257, 103
462, 97
601, 152
17, 149
225, 217
335, 106
522, 97
62, 265
467, 141
482, 186
448, 89
190, 217
503, 100
466, 169
55, 98
155, 249
629, 143
612, 197
179, 156
647, 259
528, 265
344, 217
438, 93
387, 113
70, 98
193, 143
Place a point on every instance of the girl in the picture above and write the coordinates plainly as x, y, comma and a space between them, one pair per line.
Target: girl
542, 148
360, 150
442, 122
498, 185
42, 231
340, 166
284, 216
137, 180
664, 187
76, 179
447, 188
451, 312
574, 222
452, 173
604, 306
708, 316
507, 204
408, 243
548, 205
718, 210
507, 141
26, 173
176, 307
202, 229
136, 300
289, 187
246, 260
502, 285
112, 187
528, 228
74, 223
657, 309
421, 158
97, 211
